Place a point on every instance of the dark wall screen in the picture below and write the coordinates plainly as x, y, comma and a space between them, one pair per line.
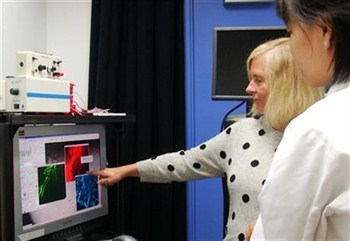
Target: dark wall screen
232, 46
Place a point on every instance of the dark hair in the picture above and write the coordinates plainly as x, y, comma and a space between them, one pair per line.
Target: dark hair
336, 13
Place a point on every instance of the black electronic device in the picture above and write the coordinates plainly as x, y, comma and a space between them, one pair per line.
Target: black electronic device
53, 196
232, 46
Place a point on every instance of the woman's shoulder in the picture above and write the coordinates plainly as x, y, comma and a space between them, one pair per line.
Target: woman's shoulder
249, 123
254, 126
249, 120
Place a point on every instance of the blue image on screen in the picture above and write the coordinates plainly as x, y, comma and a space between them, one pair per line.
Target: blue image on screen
86, 191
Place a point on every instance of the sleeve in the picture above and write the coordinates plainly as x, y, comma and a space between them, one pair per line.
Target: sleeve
202, 161
306, 175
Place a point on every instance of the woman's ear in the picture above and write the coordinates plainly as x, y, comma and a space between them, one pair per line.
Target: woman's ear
327, 37
327, 32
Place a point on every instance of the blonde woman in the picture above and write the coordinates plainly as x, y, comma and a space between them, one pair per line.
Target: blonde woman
242, 153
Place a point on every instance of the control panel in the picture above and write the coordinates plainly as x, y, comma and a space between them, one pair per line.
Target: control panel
39, 65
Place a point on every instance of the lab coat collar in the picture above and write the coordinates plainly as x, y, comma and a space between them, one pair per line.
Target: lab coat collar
336, 87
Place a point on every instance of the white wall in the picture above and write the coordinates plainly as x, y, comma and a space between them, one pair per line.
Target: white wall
55, 27
23, 27
68, 36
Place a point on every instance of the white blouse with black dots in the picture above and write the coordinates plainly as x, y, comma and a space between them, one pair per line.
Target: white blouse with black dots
242, 153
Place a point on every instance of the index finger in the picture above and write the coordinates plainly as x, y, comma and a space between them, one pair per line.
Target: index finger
95, 172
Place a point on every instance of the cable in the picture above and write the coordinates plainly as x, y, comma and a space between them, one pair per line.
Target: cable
229, 112
81, 99
77, 104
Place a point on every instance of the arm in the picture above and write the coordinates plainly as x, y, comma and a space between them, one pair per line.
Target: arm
109, 176
208, 159
195, 163
157, 169
205, 160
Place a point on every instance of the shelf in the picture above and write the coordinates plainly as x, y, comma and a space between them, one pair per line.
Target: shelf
24, 119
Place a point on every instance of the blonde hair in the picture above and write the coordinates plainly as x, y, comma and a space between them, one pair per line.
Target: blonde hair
289, 95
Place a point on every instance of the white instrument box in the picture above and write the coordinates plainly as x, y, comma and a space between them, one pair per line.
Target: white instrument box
27, 94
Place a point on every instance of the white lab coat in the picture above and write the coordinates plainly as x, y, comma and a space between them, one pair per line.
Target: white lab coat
307, 192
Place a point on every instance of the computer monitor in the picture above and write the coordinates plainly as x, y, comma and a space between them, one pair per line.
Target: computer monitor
54, 197
232, 46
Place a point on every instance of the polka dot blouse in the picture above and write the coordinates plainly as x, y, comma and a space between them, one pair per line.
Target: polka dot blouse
242, 154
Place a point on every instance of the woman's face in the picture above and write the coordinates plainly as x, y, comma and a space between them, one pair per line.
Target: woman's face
257, 86
313, 51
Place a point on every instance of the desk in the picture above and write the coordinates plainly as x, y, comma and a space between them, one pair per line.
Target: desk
9, 124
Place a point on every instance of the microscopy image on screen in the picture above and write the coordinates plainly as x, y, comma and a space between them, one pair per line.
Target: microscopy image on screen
51, 182
86, 191
54, 153
74, 159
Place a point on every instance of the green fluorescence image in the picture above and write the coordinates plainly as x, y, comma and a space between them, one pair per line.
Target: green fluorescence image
51, 180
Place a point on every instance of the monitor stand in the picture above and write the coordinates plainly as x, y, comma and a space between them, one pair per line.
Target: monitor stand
92, 236
101, 236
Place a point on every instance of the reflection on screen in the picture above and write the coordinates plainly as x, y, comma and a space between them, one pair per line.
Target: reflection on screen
54, 183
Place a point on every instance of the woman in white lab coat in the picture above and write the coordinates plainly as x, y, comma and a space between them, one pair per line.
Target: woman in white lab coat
307, 192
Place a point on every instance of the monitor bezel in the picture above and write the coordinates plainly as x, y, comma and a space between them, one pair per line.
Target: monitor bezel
216, 30
68, 222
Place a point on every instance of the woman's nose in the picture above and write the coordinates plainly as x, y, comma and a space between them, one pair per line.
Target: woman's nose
250, 88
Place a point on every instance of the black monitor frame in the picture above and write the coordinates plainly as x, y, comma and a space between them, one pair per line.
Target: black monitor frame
10, 196
231, 48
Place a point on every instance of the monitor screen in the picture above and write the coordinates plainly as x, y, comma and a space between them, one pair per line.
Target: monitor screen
52, 191
232, 46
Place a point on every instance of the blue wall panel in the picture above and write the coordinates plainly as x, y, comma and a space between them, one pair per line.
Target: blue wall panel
204, 115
